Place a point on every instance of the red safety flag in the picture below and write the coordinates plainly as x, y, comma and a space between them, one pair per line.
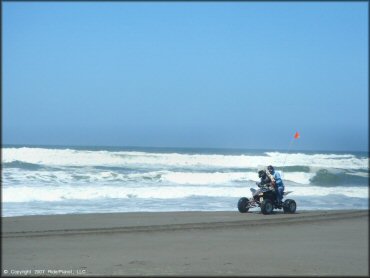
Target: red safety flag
296, 135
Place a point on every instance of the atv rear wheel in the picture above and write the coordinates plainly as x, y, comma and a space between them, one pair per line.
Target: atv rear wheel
289, 206
243, 205
266, 206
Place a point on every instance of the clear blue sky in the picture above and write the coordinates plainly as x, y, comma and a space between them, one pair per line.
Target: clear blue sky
239, 75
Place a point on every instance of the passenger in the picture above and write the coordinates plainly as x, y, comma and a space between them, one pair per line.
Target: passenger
277, 181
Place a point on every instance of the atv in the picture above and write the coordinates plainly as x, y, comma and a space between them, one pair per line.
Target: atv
265, 198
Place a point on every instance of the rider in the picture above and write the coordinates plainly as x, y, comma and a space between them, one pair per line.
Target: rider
276, 179
265, 180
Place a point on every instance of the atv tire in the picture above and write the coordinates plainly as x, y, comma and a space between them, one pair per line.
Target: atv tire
243, 205
289, 206
266, 206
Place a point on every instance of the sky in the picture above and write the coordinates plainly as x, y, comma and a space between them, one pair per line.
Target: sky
184, 74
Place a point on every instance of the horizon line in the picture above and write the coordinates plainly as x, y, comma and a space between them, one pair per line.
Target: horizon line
179, 147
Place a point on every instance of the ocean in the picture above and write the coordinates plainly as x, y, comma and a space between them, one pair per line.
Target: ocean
41, 180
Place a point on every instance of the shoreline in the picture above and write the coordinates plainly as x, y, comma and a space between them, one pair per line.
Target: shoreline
64, 224
189, 243
253, 210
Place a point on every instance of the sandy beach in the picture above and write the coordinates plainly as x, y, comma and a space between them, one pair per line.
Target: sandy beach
309, 243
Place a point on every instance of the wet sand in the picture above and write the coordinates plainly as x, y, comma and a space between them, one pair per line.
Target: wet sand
309, 243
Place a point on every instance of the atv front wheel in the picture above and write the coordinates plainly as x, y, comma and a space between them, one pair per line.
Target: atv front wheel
289, 206
243, 205
266, 206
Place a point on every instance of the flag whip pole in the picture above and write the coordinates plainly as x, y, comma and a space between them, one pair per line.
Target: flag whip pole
296, 136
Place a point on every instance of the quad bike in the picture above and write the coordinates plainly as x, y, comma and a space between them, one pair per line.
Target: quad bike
265, 198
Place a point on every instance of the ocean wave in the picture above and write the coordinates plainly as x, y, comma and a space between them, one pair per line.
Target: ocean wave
296, 168
339, 161
93, 176
207, 178
326, 178
22, 165
193, 203
64, 178
297, 177
52, 194
164, 178
77, 176
134, 159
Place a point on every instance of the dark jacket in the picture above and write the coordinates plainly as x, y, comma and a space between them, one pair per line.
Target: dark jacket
264, 178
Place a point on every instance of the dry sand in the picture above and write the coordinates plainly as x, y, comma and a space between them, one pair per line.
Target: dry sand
308, 243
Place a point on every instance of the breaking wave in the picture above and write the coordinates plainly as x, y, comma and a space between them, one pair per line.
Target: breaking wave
71, 157
37, 176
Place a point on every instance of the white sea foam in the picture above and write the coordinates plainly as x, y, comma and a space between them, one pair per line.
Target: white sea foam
80, 176
298, 177
32, 176
229, 177
342, 161
29, 193
68, 157
359, 174
60, 157
208, 178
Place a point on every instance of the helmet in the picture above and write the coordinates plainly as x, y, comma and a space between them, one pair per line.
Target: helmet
261, 173
270, 169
